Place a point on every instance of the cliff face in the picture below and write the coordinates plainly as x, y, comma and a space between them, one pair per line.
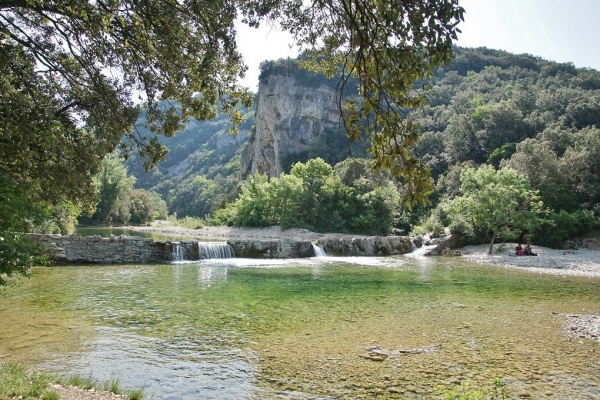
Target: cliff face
288, 116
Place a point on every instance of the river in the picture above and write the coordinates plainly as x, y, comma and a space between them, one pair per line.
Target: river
299, 329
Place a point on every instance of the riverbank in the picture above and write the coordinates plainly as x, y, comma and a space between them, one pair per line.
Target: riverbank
577, 262
573, 262
226, 232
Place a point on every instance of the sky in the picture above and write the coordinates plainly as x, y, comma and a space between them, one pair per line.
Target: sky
555, 30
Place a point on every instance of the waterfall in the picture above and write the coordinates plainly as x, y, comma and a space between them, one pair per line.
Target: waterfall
424, 250
177, 252
319, 251
208, 250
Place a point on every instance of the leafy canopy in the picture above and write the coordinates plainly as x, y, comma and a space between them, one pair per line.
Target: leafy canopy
315, 196
73, 74
499, 202
387, 46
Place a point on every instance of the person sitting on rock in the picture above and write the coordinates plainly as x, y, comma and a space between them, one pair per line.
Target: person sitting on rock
528, 251
519, 250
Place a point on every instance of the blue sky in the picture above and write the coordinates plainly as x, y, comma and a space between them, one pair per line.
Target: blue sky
556, 30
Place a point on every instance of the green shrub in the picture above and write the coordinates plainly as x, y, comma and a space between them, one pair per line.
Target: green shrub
564, 226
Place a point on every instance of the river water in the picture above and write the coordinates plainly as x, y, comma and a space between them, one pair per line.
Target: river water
299, 329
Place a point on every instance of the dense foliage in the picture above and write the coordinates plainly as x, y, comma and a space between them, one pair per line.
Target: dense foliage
537, 117
349, 197
118, 202
489, 107
496, 202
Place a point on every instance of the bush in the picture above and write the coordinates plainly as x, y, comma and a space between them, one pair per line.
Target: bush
17, 255
565, 226
315, 197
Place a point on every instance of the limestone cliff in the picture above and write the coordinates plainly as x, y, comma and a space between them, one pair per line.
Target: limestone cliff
288, 116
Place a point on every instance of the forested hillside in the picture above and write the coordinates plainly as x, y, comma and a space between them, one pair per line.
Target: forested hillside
489, 107
201, 168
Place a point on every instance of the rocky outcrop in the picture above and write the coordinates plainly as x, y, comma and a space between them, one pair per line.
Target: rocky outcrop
288, 116
272, 248
365, 246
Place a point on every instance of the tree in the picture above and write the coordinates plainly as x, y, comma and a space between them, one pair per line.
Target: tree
17, 214
114, 189
387, 46
146, 206
74, 72
498, 202
581, 166
539, 165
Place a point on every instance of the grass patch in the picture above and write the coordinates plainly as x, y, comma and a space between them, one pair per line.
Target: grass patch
111, 385
18, 383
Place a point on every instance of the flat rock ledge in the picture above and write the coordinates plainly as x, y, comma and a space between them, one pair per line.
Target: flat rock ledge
365, 246
332, 245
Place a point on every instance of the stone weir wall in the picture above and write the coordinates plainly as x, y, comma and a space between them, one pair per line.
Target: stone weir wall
365, 246
133, 249
110, 250
333, 245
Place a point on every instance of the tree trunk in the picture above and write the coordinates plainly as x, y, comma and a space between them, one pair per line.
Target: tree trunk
492, 243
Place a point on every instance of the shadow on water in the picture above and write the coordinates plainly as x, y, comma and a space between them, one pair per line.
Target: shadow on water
245, 329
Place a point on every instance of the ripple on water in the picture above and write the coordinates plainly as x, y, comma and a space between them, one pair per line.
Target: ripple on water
297, 328
177, 368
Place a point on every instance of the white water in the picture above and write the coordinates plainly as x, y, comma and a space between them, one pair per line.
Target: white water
177, 252
421, 251
212, 250
319, 251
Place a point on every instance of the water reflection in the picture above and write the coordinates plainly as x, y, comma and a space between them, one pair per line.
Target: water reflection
210, 275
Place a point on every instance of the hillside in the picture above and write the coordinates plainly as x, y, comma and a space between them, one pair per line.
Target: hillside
540, 117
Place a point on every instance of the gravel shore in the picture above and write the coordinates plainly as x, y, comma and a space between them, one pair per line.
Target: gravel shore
580, 262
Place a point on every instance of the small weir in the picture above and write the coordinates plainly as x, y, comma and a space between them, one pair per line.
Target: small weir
191, 250
211, 250
319, 251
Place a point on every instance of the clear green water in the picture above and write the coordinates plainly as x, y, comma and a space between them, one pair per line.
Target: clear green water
251, 329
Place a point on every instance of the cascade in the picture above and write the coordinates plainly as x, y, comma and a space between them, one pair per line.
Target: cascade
424, 250
177, 252
319, 251
208, 250
413, 246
